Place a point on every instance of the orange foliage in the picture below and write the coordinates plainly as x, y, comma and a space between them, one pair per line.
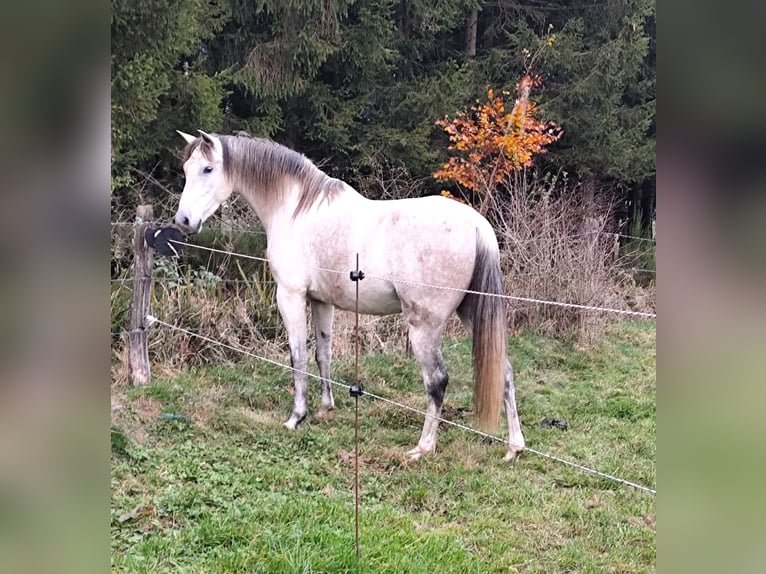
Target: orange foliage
492, 143
446, 193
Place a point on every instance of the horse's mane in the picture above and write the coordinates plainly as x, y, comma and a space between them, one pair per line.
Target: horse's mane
261, 166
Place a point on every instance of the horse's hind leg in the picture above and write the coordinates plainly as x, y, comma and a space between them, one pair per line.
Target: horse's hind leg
425, 346
515, 437
516, 442
292, 307
322, 314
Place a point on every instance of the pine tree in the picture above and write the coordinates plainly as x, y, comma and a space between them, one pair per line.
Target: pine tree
157, 85
360, 83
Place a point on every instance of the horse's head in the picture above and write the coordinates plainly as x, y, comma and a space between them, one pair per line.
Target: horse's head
207, 186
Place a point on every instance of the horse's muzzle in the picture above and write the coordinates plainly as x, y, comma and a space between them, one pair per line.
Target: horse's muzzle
187, 226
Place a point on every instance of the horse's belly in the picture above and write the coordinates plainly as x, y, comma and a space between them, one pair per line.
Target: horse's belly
381, 306
375, 298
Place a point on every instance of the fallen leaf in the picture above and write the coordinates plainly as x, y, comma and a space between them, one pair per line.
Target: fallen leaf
139, 510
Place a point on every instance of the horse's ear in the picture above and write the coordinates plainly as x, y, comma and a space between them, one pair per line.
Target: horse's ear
189, 138
207, 138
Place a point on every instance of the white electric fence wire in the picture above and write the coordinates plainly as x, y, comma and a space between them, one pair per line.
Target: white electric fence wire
634, 237
429, 286
533, 240
152, 320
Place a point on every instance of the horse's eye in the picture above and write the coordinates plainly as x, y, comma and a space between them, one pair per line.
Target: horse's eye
208, 169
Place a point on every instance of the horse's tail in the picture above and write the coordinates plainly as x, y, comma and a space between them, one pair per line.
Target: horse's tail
489, 344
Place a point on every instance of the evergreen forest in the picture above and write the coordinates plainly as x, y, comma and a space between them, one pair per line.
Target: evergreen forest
358, 86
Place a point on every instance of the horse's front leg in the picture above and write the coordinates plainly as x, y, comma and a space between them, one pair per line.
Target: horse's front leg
322, 315
292, 307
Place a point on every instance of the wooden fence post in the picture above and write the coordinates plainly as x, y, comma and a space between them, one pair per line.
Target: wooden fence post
143, 258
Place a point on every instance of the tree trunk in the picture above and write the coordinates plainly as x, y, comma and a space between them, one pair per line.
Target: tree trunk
648, 199
470, 37
591, 227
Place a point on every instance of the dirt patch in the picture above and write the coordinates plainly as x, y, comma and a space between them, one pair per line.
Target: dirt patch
134, 418
207, 405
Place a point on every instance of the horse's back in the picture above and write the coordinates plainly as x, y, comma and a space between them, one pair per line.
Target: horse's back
403, 245
440, 247
421, 242
433, 230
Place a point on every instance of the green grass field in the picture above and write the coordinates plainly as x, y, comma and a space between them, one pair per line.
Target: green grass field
228, 489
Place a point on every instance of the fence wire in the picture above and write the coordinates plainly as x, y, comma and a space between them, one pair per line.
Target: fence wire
151, 320
442, 287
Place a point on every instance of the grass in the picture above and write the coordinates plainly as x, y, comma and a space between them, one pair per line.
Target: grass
225, 488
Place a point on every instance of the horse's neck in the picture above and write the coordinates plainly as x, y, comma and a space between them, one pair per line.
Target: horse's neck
278, 215
272, 214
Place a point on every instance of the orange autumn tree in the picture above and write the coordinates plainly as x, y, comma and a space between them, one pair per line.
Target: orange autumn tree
491, 144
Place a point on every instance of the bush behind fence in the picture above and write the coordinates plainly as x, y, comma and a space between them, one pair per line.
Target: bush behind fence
550, 250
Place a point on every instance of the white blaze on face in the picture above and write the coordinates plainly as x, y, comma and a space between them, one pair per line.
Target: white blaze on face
206, 186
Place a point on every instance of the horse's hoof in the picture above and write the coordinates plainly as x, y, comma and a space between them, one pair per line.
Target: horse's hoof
417, 453
325, 414
513, 452
326, 408
294, 422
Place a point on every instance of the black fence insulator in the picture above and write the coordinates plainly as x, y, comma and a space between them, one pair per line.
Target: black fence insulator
356, 390
164, 240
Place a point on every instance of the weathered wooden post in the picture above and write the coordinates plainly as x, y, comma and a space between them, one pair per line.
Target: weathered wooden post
143, 258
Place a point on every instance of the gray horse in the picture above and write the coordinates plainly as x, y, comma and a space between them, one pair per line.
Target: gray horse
314, 223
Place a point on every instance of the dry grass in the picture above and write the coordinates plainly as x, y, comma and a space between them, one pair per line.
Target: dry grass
553, 247
556, 247
387, 334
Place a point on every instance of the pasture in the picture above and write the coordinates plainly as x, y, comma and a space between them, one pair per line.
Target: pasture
206, 479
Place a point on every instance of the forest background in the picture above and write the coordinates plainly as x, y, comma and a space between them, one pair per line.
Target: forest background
358, 86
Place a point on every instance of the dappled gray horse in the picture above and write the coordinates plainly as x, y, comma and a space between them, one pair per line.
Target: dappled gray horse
316, 222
